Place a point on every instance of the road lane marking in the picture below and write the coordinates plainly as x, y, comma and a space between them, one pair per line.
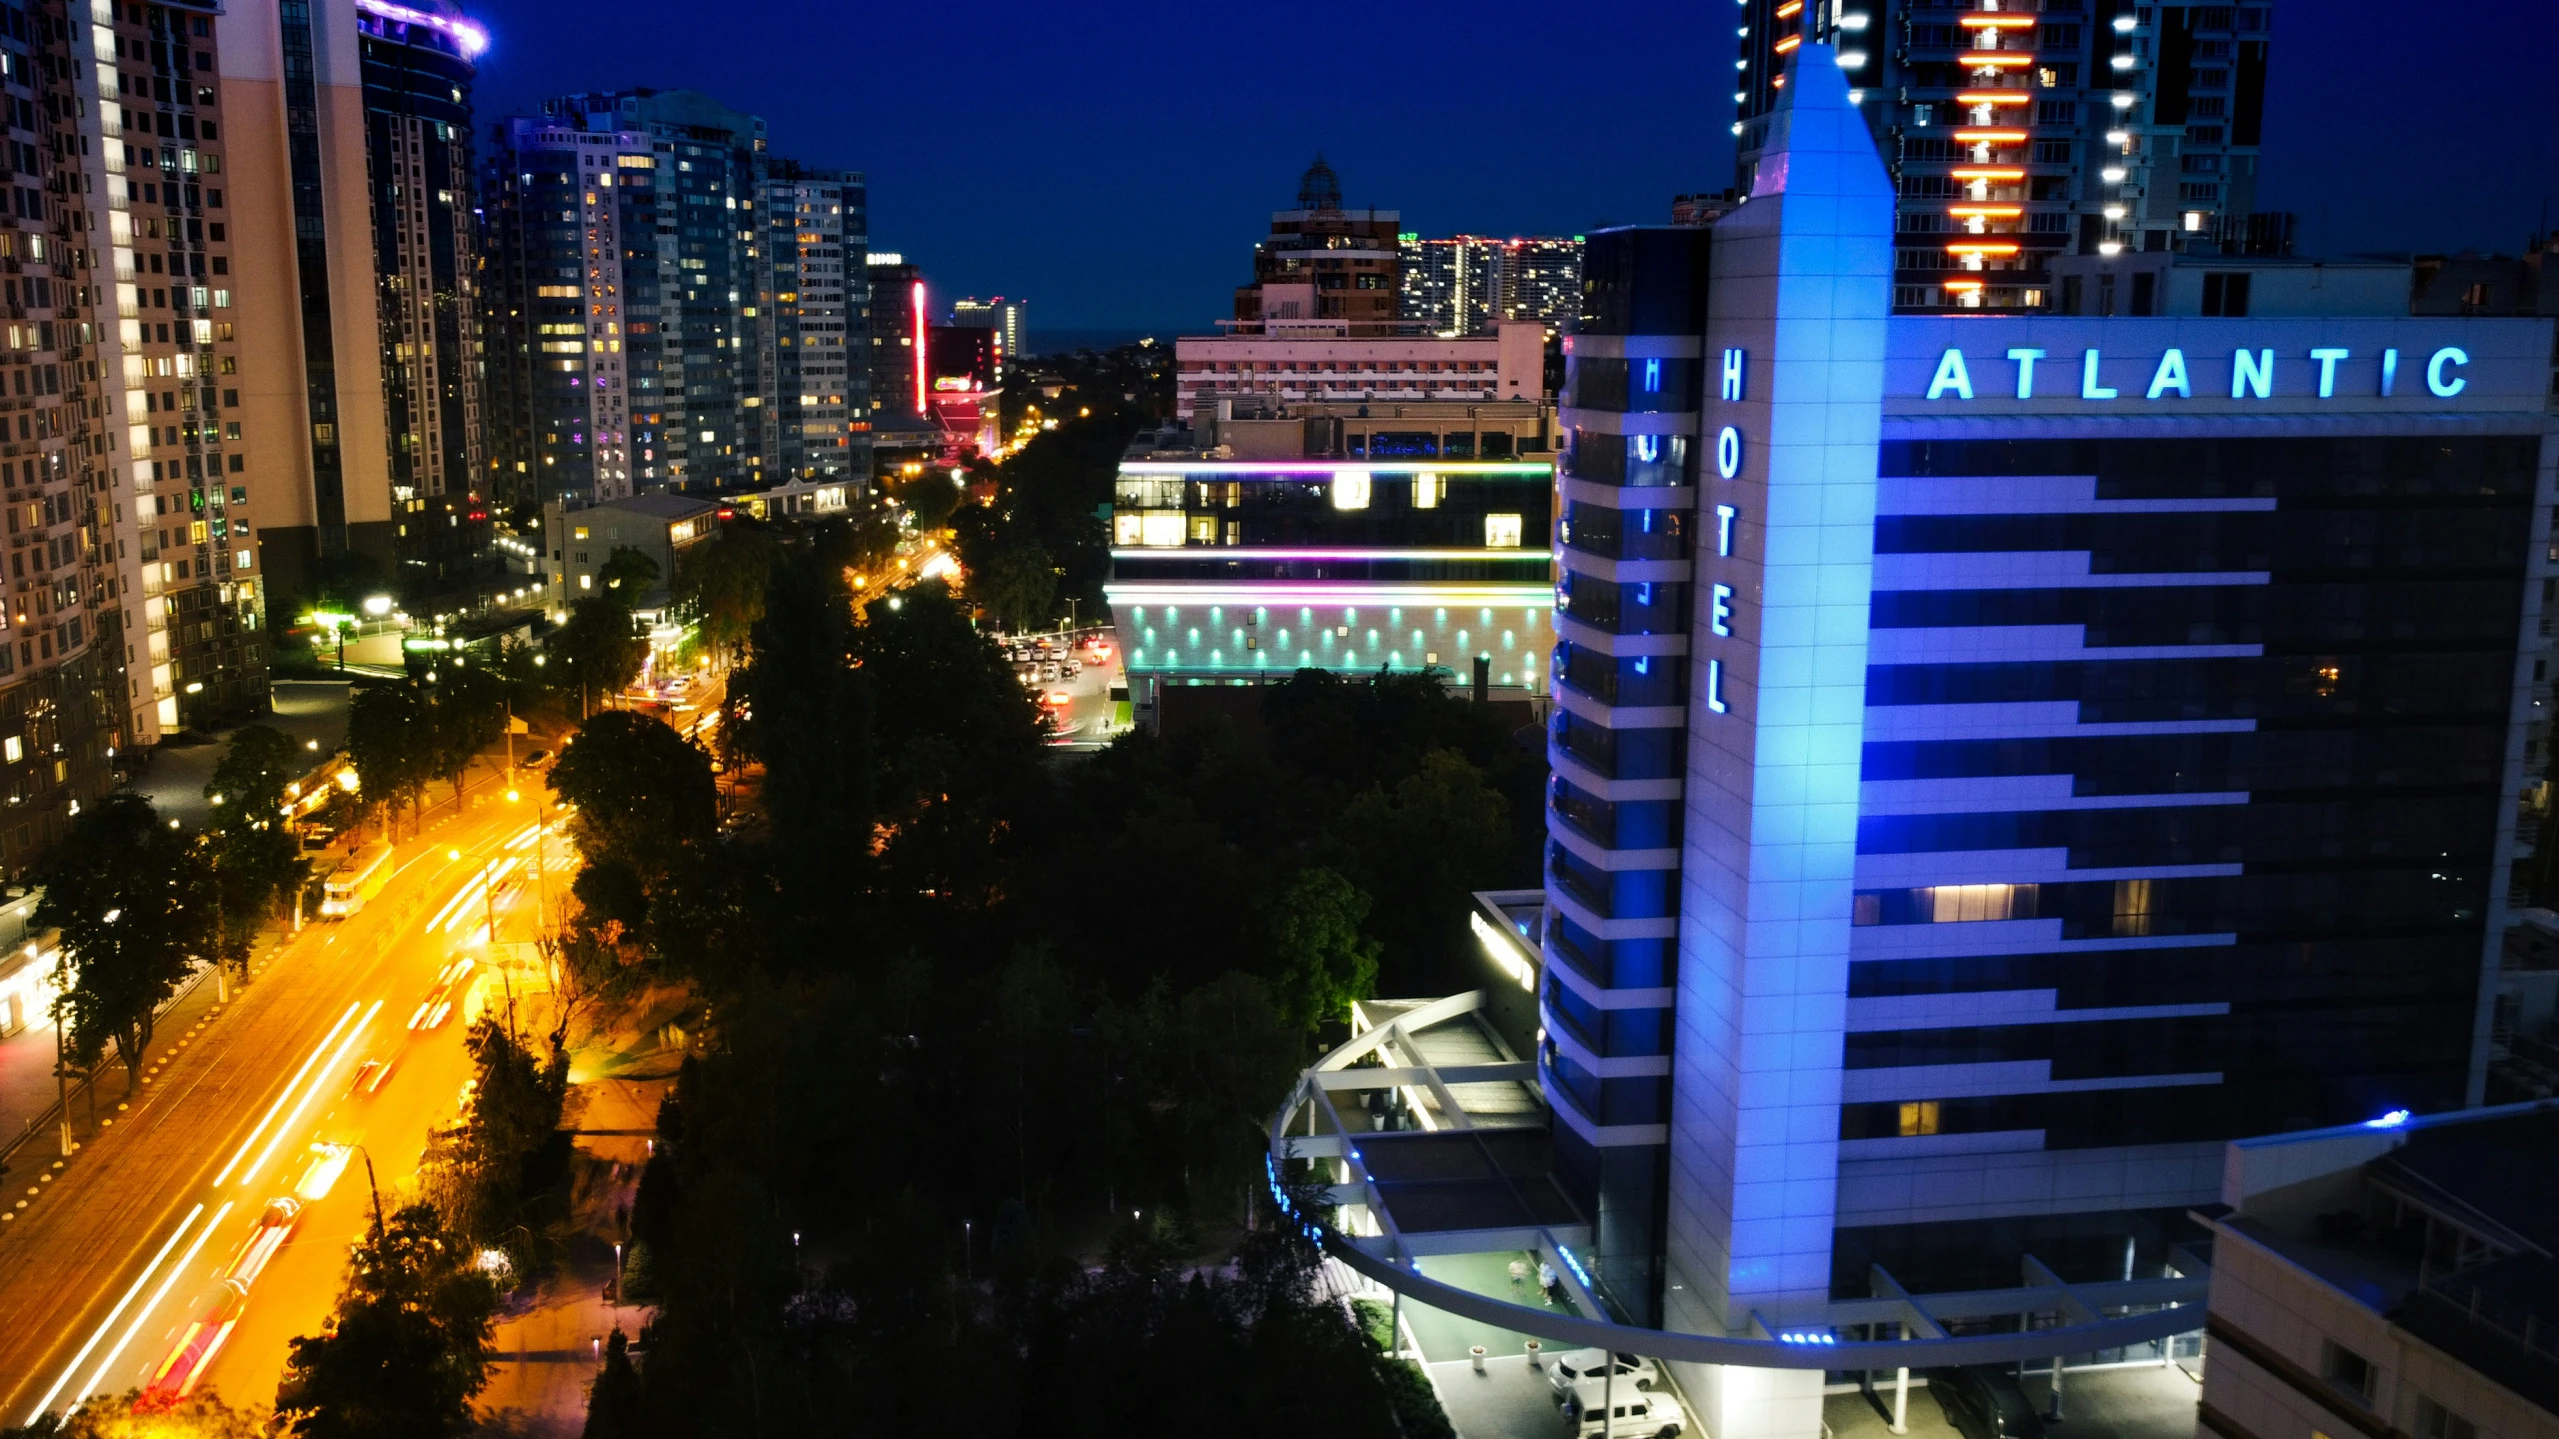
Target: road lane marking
251, 1141
157, 1295
317, 1080
46, 1403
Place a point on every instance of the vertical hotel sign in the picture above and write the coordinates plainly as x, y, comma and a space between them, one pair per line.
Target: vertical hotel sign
1732, 384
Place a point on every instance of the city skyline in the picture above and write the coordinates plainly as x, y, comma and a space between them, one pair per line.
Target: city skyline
1036, 98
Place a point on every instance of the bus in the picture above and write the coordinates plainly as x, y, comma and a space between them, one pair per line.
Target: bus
357, 880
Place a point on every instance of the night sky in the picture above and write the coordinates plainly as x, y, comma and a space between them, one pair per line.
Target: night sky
1114, 163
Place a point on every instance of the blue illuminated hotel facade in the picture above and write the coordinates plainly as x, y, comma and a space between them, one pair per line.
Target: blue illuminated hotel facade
1998, 760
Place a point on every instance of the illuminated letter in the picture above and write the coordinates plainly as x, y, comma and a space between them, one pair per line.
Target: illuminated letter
1715, 686
1724, 517
1950, 376
1728, 452
1732, 374
2089, 389
2445, 389
2328, 370
1652, 377
2252, 372
2389, 372
1719, 612
2171, 375
2025, 371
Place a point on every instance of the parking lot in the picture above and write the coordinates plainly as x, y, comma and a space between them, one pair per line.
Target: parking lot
1073, 679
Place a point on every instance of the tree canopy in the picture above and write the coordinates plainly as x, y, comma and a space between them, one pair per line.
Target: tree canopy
257, 862
410, 1342
135, 908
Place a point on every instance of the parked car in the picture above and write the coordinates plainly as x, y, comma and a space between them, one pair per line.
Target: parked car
1985, 1404
1566, 1373
1628, 1414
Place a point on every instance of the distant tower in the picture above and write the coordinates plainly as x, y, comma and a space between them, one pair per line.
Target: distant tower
1324, 266
1319, 188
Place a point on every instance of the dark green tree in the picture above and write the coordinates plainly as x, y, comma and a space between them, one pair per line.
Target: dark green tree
722, 583
644, 793
465, 713
1017, 584
616, 1408
597, 652
628, 574
390, 741
1319, 959
1431, 841
136, 905
257, 862
410, 1342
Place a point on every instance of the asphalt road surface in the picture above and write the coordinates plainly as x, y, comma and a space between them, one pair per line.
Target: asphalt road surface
148, 1239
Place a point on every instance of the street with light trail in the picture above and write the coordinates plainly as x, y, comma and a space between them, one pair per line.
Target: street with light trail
153, 1253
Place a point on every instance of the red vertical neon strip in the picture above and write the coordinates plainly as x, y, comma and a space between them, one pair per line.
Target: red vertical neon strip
919, 347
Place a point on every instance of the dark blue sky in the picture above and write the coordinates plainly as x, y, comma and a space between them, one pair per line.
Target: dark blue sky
1113, 163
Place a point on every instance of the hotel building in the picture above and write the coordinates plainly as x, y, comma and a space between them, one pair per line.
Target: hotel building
1335, 365
1241, 572
2015, 132
1998, 761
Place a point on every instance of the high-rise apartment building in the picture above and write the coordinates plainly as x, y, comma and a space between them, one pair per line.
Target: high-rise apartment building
1997, 761
212, 446
901, 348
312, 447
1469, 284
77, 636
1325, 266
418, 72
2016, 132
625, 264
1003, 315
817, 235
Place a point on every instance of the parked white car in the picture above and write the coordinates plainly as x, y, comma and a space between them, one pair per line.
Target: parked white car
1637, 1414
1566, 1373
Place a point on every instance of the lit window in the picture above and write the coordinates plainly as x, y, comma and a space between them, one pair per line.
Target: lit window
1350, 490
1502, 532
586, 582
1428, 491
1125, 530
1919, 1118
13, 749
1968, 903
1160, 528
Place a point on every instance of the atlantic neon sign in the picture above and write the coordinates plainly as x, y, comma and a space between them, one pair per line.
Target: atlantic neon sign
2251, 374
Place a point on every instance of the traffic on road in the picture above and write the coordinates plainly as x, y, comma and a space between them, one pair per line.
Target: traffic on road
207, 1224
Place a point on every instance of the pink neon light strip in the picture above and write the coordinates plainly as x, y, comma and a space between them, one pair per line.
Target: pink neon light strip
1238, 552
473, 40
1328, 467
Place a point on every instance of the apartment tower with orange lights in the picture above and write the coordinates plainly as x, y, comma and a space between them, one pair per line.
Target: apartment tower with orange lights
2018, 130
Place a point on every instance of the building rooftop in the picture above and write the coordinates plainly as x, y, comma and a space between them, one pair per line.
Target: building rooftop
664, 507
2446, 1224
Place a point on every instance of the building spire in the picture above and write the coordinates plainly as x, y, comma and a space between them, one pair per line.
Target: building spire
1319, 188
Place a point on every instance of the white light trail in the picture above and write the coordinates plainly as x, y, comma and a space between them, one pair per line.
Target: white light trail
46, 1403
100, 1378
251, 1142
313, 1088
